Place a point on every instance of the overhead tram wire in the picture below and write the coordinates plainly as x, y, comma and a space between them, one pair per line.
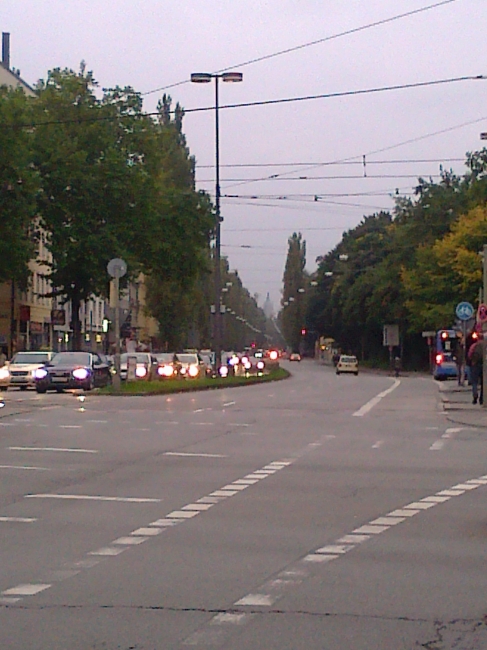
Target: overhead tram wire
360, 157
334, 162
289, 50
264, 102
327, 178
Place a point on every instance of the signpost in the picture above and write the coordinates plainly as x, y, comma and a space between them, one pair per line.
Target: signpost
464, 312
390, 339
117, 268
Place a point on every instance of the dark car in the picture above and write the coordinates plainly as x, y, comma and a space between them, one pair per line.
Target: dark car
84, 370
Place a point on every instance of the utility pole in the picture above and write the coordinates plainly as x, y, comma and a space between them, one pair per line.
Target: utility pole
484, 293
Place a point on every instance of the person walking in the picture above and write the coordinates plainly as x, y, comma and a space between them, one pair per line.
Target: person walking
460, 360
476, 357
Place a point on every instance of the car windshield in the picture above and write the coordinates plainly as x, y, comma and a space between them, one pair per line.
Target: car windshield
71, 358
187, 358
166, 357
141, 357
349, 359
34, 357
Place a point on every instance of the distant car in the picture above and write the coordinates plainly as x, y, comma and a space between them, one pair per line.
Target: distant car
294, 356
445, 367
145, 366
347, 363
167, 365
72, 370
23, 365
4, 377
190, 365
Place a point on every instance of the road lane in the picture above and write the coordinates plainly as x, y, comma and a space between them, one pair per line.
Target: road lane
308, 477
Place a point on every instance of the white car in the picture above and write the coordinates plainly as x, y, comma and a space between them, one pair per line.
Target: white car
23, 366
347, 363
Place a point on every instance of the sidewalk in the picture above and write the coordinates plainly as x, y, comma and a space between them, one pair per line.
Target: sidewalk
457, 403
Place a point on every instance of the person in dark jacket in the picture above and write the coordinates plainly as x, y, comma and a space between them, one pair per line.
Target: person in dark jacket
475, 357
460, 360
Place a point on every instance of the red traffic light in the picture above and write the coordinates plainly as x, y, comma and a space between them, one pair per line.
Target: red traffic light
303, 331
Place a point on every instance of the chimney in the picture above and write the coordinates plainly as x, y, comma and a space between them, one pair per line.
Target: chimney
6, 50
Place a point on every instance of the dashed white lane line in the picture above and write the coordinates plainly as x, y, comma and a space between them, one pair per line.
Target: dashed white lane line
228, 403
26, 467
87, 497
363, 410
70, 426
437, 445
97, 421
130, 541
67, 450
193, 454
108, 551
18, 520
378, 444
25, 590
256, 600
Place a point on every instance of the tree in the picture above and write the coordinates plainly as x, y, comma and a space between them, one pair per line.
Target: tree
18, 186
293, 313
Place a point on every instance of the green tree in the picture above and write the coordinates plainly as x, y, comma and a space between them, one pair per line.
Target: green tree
293, 301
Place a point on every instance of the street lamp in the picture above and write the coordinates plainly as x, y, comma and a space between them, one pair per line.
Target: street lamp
203, 78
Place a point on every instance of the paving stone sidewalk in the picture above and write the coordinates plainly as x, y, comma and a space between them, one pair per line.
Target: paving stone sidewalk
457, 403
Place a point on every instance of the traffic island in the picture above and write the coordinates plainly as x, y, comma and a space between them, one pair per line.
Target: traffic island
164, 387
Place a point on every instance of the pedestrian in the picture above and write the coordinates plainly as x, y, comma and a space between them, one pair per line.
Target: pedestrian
397, 366
3, 358
475, 357
460, 360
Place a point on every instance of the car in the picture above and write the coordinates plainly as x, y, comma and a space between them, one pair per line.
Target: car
294, 356
4, 377
445, 367
23, 365
83, 370
191, 367
347, 363
167, 365
145, 366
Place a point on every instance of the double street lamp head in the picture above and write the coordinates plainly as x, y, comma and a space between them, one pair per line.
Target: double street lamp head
206, 77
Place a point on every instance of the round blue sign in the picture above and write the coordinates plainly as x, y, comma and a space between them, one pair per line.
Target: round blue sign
464, 311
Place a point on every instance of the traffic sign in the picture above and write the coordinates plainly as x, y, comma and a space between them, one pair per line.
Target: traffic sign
464, 311
117, 268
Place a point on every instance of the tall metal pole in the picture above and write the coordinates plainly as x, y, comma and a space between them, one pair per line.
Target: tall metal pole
116, 376
217, 337
484, 360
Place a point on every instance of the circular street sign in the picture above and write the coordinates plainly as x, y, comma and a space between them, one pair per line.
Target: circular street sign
464, 311
117, 268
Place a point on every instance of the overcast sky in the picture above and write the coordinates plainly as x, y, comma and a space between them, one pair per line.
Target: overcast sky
156, 43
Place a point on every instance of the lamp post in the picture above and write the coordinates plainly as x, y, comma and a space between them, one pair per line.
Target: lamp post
228, 77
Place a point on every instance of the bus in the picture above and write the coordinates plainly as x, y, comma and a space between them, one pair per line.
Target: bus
444, 366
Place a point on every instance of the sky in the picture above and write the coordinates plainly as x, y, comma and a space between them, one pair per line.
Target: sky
273, 156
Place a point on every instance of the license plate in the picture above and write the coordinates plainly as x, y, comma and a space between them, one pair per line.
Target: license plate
59, 379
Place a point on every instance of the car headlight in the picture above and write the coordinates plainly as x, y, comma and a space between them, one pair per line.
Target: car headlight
223, 371
183, 371
40, 373
4, 373
193, 371
247, 365
245, 361
233, 361
80, 373
165, 371
273, 355
140, 371
260, 365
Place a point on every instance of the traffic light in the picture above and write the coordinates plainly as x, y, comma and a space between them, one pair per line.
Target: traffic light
303, 332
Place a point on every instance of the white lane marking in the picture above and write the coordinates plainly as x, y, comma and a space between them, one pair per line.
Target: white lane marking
238, 424
166, 422
258, 477
192, 454
85, 497
147, 532
6, 424
388, 521
449, 432
436, 499
378, 444
256, 600
198, 410
370, 530
108, 550
363, 410
70, 426
61, 449
201, 424
223, 493
235, 487
338, 549
312, 557
224, 618
198, 506
436, 446
431, 428
228, 403
418, 505
400, 512
31, 467
166, 522
9, 601
23, 419
353, 539
25, 590
246, 481
465, 486
129, 541
209, 499
18, 520
97, 421
478, 481
450, 493
182, 514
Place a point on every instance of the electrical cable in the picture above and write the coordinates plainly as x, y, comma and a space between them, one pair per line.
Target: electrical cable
288, 50
333, 162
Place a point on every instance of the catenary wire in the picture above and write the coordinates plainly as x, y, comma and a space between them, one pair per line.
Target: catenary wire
332, 37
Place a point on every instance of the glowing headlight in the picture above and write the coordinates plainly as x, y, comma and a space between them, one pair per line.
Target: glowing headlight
183, 371
260, 365
245, 360
233, 361
223, 371
80, 373
4, 373
193, 371
140, 371
40, 373
247, 365
165, 371
273, 355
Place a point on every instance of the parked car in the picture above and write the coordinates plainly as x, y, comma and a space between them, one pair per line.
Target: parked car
294, 356
167, 365
23, 365
72, 370
347, 363
190, 365
145, 366
4, 377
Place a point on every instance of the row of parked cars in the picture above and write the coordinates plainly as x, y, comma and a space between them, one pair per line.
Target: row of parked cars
46, 370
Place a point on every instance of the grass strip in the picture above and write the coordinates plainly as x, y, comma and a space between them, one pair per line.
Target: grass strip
164, 387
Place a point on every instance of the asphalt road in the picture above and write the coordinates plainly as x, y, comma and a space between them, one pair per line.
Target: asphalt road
316, 513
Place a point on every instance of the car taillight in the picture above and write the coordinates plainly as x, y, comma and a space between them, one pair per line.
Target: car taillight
439, 359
